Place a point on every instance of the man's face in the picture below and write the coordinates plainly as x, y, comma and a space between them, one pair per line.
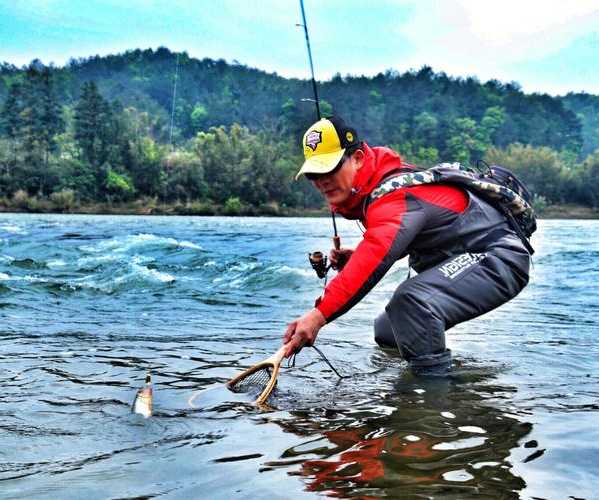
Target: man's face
336, 186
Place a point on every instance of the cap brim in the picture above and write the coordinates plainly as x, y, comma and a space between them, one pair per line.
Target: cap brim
321, 164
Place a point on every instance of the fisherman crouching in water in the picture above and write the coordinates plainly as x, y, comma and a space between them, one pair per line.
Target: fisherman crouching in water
468, 259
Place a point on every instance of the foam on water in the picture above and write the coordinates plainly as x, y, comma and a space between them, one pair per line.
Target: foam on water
12, 228
128, 243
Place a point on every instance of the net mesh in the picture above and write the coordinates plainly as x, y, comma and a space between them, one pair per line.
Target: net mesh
254, 382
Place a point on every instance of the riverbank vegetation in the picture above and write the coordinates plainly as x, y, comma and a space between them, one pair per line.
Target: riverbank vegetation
115, 134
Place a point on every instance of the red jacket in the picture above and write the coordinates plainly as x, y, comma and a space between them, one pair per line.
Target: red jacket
394, 225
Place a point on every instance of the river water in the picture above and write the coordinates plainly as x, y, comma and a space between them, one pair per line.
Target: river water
89, 304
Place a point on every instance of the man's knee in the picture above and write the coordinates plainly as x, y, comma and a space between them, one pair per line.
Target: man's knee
417, 329
383, 332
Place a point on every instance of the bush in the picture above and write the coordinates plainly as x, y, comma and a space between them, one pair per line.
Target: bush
196, 208
271, 208
233, 206
119, 185
22, 200
539, 203
63, 200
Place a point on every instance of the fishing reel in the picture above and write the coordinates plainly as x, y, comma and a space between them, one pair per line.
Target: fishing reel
319, 262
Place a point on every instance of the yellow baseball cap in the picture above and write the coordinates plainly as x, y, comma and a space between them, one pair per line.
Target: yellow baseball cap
324, 144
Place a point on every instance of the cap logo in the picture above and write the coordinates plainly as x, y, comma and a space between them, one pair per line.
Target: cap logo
313, 139
349, 136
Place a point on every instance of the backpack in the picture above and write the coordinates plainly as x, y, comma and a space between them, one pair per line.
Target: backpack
496, 185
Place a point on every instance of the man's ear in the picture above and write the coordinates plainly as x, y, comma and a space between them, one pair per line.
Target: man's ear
358, 158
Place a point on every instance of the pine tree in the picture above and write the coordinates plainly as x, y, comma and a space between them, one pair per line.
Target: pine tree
50, 111
92, 120
10, 117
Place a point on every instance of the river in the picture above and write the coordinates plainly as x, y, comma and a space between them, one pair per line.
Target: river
89, 304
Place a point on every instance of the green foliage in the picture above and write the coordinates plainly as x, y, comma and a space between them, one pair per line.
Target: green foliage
539, 203
79, 177
199, 118
463, 143
237, 163
326, 108
541, 169
146, 171
31, 117
588, 181
183, 177
92, 119
64, 136
426, 128
119, 186
586, 108
233, 206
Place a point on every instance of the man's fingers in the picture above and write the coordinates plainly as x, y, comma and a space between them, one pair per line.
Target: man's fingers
292, 346
334, 258
289, 332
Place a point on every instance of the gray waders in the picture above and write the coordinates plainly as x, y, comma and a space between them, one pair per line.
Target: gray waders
460, 288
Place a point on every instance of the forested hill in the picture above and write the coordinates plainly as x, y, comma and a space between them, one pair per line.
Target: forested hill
390, 108
427, 116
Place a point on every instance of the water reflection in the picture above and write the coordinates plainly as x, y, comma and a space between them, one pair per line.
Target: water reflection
423, 437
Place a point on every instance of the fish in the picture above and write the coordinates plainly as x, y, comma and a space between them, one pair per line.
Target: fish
142, 404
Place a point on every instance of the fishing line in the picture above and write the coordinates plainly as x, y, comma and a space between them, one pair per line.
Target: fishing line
173, 103
291, 362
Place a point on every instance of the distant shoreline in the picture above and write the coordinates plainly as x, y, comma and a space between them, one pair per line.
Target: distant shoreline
270, 210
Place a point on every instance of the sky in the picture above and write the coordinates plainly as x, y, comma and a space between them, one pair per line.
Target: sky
545, 45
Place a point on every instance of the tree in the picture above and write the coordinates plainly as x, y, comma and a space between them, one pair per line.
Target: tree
10, 117
588, 180
92, 115
541, 169
463, 142
50, 111
425, 128
374, 127
148, 175
119, 186
199, 118
490, 123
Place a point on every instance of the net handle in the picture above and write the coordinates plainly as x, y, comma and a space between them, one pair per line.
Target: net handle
274, 361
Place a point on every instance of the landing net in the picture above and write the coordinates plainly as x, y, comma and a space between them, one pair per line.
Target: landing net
253, 382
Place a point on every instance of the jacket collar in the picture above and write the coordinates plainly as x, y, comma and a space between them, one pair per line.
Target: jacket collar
378, 163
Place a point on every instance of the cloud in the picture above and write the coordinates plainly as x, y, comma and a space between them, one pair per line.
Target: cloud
484, 38
545, 45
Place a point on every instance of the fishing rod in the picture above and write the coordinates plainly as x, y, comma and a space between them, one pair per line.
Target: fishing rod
305, 25
317, 259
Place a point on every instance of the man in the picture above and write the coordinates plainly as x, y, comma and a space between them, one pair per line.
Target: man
468, 259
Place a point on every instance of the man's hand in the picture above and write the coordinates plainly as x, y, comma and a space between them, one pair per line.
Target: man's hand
303, 331
339, 258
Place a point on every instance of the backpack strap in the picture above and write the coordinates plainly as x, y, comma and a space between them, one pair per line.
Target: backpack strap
508, 202
399, 181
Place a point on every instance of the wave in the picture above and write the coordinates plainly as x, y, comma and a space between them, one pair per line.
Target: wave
12, 228
134, 277
138, 241
261, 275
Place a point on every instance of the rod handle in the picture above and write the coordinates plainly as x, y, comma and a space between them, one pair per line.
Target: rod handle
337, 242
